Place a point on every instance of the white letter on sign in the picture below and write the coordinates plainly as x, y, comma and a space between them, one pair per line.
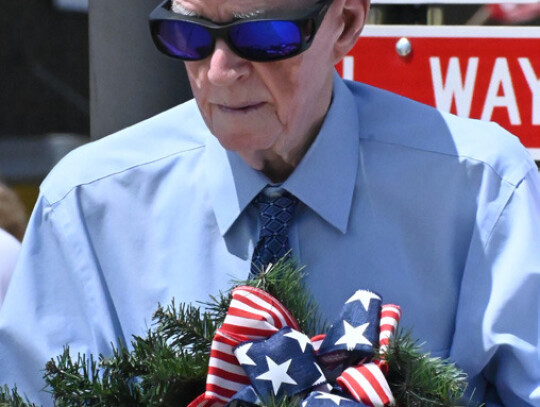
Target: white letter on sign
501, 76
454, 86
534, 84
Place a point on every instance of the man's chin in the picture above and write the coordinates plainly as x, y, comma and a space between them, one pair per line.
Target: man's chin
244, 140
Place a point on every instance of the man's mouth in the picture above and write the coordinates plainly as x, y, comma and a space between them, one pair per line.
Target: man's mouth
244, 108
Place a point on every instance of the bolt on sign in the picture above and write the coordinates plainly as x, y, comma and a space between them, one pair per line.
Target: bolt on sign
487, 73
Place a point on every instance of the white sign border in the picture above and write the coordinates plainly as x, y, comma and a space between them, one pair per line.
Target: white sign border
535, 153
452, 31
438, 2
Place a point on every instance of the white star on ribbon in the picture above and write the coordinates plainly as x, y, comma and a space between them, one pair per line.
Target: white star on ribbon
327, 396
364, 296
353, 336
241, 355
302, 339
322, 377
277, 374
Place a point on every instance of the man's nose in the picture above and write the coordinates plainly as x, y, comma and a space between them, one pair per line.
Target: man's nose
225, 66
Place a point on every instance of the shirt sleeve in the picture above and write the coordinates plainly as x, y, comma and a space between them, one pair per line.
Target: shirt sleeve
497, 329
57, 297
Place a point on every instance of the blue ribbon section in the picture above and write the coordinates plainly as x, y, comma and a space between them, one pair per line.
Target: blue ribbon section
353, 338
323, 399
247, 397
282, 365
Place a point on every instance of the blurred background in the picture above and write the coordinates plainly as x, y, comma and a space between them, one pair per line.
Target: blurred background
44, 89
72, 72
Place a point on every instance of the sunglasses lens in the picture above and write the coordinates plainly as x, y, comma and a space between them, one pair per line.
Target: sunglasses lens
266, 40
183, 39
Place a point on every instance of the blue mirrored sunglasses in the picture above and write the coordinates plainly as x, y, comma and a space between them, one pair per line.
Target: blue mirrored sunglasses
260, 39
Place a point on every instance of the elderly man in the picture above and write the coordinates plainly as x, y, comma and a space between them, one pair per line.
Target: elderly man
437, 213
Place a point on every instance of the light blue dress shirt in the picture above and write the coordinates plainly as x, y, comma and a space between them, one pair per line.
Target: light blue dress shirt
436, 213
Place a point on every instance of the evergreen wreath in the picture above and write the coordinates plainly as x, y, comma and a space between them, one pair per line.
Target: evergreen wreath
168, 366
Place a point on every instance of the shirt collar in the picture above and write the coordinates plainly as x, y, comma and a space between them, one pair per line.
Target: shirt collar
324, 180
232, 184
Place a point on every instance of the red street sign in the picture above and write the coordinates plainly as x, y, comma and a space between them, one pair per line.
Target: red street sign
488, 73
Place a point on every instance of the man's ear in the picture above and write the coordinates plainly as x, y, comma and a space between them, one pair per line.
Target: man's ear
353, 18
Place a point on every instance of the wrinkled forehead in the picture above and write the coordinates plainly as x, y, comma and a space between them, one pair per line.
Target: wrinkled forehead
226, 10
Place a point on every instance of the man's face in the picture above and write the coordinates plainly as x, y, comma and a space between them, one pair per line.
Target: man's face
262, 108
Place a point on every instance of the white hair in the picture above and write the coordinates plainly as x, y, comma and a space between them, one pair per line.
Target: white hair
178, 8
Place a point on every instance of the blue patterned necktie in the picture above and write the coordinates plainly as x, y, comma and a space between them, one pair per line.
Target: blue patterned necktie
276, 209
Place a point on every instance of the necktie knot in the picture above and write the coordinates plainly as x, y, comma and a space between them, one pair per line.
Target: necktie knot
276, 209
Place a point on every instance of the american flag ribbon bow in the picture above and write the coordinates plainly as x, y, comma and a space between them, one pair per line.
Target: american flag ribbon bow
259, 354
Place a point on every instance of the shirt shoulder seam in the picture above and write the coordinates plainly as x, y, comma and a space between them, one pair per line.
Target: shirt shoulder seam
523, 169
503, 207
112, 174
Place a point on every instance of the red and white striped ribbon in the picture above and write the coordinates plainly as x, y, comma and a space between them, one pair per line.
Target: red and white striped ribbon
252, 315
316, 341
390, 316
256, 314
202, 401
225, 375
367, 384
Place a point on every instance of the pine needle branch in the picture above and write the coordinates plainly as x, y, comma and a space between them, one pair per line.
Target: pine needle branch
168, 366
186, 326
285, 281
12, 398
419, 380
74, 382
217, 306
